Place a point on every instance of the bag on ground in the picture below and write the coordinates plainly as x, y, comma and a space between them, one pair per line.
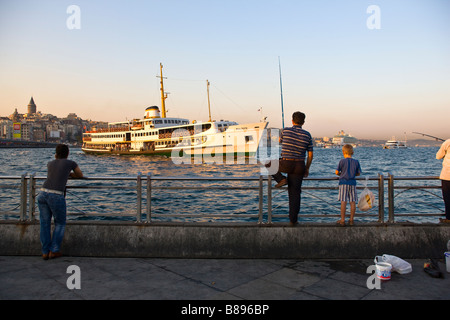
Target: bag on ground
398, 265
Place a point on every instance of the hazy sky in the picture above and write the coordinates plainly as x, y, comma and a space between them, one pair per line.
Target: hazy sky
337, 67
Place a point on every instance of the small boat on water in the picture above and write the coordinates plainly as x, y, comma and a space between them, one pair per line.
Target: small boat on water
394, 144
157, 134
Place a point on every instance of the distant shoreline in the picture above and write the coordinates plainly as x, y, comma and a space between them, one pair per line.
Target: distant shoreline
10, 144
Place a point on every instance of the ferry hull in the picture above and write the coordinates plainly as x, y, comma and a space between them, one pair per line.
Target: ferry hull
240, 140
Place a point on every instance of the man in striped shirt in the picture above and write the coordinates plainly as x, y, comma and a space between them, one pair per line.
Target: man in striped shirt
295, 144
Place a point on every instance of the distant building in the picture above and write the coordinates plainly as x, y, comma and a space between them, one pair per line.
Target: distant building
31, 107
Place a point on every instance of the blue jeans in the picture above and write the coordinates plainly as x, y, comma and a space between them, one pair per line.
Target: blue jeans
51, 204
295, 181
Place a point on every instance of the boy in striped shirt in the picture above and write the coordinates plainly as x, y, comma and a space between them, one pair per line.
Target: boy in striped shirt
347, 170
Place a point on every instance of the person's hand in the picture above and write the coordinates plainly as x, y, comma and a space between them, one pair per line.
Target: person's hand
306, 173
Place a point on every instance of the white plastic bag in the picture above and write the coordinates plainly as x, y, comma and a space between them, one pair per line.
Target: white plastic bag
366, 199
398, 265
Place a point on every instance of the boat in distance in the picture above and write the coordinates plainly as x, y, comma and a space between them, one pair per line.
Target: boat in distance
157, 134
394, 144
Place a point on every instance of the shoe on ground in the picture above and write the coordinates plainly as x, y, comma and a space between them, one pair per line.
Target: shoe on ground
281, 183
54, 255
45, 256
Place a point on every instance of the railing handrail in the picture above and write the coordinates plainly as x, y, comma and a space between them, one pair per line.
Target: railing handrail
30, 179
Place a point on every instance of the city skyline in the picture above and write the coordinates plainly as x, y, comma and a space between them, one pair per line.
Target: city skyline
374, 74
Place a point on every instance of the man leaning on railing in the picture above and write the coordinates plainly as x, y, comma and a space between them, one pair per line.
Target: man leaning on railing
51, 201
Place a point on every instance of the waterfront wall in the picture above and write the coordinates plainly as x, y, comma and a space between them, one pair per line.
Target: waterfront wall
276, 241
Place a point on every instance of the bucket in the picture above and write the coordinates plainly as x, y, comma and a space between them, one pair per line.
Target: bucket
447, 260
384, 270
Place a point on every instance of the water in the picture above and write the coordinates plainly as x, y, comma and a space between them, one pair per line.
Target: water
122, 201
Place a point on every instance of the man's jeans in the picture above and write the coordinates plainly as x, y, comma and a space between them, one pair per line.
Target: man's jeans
51, 204
295, 181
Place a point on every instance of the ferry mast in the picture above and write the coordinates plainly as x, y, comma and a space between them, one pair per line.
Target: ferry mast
163, 95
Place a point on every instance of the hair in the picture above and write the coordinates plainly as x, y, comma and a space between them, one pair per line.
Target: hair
62, 151
348, 149
298, 117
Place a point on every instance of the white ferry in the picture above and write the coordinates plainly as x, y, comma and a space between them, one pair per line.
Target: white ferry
394, 144
157, 134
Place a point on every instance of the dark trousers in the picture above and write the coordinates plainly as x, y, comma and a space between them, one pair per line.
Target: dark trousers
446, 196
295, 181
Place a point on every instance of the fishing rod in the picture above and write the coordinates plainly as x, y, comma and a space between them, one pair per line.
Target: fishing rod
281, 89
427, 135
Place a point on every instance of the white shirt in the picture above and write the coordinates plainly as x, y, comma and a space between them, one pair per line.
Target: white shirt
444, 153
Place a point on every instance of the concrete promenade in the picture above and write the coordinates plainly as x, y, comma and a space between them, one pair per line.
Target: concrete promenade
31, 278
195, 262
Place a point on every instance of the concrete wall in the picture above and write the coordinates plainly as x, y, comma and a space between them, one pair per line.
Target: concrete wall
307, 241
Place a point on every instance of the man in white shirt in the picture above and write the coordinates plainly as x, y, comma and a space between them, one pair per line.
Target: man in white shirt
444, 153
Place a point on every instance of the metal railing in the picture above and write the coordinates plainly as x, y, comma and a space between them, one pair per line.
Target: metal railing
141, 193
392, 186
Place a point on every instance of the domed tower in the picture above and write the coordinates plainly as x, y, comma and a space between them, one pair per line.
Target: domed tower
152, 112
31, 107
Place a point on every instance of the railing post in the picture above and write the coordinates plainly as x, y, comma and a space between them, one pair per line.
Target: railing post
269, 199
391, 197
139, 197
32, 195
149, 197
23, 196
380, 198
260, 219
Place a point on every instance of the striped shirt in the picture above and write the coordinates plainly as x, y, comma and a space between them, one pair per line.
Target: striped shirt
295, 142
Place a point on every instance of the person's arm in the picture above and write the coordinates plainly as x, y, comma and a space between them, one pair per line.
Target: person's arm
308, 163
358, 170
442, 150
77, 174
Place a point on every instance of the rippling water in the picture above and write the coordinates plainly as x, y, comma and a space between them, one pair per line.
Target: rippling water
167, 199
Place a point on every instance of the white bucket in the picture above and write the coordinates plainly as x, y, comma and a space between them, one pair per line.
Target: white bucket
384, 270
447, 260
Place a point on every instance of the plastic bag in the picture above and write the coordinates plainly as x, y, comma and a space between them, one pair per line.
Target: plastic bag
366, 199
398, 265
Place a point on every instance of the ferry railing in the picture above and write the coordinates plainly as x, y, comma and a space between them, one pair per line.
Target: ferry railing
144, 186
392, 186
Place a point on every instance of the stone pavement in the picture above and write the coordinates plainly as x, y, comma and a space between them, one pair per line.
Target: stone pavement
31, 278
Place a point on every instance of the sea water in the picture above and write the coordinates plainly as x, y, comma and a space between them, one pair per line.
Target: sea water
202, 196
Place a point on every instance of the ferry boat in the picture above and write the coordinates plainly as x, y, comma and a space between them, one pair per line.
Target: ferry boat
394, 144
157, 134
343, 138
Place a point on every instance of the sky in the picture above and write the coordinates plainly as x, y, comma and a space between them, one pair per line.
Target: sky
374, 73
